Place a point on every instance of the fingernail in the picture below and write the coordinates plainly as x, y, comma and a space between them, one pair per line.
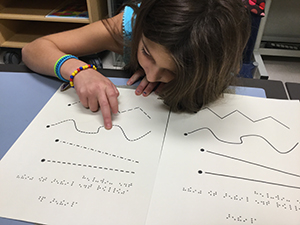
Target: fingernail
108, 126
129, 82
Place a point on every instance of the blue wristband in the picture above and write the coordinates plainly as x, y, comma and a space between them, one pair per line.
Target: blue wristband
59, 63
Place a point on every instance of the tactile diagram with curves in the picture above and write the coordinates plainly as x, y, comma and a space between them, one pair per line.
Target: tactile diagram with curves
96, 131
239, 156
241, 141
75, 165
244, 136
101, 127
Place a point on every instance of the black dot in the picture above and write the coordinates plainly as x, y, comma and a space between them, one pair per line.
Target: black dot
69, 104
56, 140
185, 134
48, 126
43, 160
202, 150
200, 172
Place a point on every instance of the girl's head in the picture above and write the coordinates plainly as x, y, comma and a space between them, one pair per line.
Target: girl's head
199, 47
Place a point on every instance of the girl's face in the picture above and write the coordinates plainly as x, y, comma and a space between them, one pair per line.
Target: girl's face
156, 61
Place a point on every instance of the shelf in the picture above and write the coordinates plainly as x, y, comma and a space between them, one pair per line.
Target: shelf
39, 17
15, 34
22, 21
35, 11
19, 40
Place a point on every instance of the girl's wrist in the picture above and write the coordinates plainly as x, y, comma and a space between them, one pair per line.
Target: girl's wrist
61, 62
69, 66
81, 70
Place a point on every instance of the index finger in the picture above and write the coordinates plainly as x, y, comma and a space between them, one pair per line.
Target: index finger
105, 110
108, 103
113, 99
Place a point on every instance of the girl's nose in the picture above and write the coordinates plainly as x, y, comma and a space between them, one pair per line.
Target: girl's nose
153, 75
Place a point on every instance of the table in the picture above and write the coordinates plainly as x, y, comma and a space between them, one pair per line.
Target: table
24, 93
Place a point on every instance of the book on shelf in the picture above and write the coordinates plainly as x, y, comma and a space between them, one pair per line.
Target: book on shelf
70, 10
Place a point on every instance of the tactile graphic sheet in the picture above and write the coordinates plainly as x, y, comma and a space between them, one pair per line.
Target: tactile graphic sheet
237, 161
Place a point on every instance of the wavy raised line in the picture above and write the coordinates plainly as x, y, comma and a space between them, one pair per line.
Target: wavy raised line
98, 130
239, 112
241, 139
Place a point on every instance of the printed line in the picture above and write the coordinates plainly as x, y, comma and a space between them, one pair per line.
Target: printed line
96, 150
252, 180
241, 139
87, 166
98, 130
165, 133
255, 164
136, 108
120, 112
73, 103
239, 112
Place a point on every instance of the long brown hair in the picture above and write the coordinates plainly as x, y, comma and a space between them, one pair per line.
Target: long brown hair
206, 39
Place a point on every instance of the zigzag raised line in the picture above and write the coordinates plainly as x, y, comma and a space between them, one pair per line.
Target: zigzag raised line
253, 121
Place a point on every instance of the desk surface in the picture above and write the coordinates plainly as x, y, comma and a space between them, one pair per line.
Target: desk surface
293, 90
23, 94
273, 89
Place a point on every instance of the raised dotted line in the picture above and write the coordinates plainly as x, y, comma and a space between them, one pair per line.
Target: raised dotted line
87, 166
95, 150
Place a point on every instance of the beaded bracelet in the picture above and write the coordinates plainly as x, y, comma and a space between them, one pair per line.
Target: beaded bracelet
59, 63
78, 70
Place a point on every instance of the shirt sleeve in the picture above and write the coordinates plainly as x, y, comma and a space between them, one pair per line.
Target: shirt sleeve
127, 23
128, 19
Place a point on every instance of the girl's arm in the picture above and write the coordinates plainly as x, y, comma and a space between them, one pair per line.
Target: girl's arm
93, 89
41, 54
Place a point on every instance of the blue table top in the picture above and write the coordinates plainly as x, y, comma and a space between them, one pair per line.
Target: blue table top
23, 95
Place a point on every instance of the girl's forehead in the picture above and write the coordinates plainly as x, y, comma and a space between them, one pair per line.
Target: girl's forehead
160, 54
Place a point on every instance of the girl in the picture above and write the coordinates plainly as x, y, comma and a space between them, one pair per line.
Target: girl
189, 50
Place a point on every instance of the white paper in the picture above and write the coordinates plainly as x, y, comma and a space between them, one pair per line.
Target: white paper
235, 162
67, 169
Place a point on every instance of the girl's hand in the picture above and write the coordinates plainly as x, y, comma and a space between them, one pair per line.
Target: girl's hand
96, 90
145, 87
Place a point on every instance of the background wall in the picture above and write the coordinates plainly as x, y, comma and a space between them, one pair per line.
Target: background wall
283, 22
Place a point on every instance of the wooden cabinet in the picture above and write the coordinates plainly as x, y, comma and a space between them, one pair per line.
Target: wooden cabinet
22, 21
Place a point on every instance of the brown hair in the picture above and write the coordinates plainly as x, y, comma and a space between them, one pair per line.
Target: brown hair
206, 39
